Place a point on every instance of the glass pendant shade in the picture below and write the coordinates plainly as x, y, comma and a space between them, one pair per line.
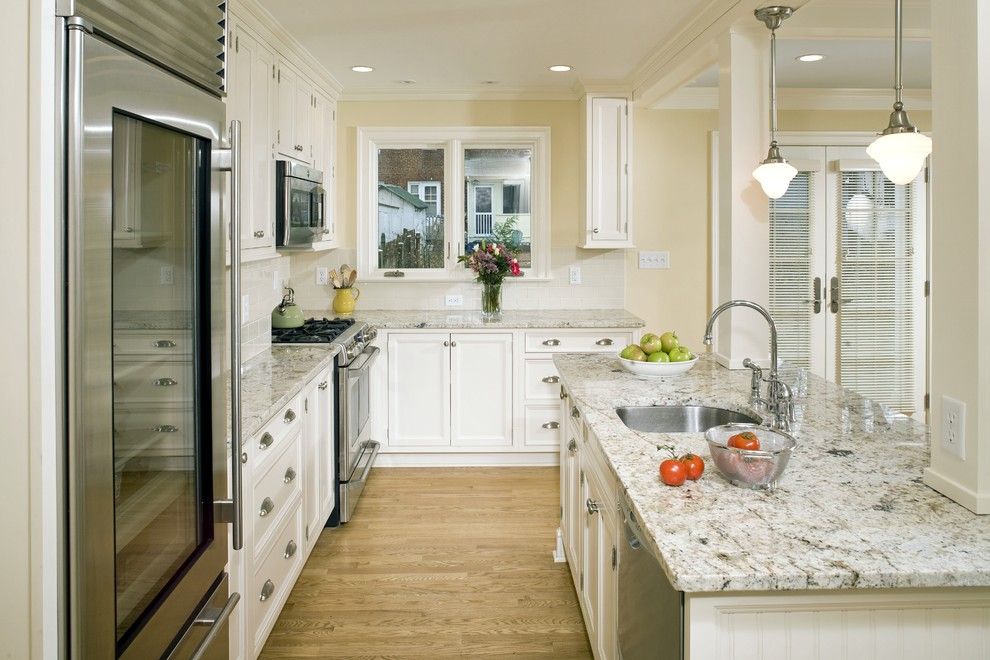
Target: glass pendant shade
775, 178
901, 155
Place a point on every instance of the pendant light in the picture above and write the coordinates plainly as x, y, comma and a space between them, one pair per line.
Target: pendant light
774, 173
900, 150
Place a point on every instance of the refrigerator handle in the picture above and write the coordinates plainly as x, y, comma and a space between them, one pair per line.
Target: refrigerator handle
232, 510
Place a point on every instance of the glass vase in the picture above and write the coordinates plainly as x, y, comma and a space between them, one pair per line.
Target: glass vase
491, 300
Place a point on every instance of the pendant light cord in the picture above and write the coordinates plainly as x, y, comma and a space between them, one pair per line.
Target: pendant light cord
773, 86
898, 38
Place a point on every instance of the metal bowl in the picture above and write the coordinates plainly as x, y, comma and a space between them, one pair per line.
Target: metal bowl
759, 469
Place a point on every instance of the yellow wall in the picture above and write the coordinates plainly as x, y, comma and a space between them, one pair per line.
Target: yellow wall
561, 116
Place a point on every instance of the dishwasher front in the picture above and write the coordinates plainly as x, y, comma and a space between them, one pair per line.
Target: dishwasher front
651, 611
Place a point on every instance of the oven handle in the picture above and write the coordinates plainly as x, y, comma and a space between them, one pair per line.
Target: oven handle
370, 354
375, 446
318, 195
286, 212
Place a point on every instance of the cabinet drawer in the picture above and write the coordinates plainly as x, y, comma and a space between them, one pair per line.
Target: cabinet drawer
152, 343
274, 491
267, 442
540, 380
542, 425
273, 579
152, 382
591, 341
154, 434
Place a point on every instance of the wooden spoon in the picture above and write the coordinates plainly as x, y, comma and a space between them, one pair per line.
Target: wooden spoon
352, 278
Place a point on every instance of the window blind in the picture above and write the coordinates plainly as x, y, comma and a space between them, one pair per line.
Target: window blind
875, 334
791, 252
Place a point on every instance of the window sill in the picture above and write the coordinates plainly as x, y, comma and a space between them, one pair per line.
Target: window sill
413, 279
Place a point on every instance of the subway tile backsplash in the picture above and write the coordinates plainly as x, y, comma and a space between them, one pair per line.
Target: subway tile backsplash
261, 282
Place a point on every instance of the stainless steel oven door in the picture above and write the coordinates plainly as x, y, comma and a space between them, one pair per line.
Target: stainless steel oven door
146, 413
357, 450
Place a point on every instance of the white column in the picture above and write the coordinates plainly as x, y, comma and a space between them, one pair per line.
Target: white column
743, 235
960, 245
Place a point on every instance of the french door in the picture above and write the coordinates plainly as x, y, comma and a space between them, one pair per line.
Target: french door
848, 275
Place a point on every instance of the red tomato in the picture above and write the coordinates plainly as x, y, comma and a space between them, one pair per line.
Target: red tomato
746, 440
694, 465
673, 472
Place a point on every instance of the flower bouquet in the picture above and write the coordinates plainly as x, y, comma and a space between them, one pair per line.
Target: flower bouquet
491, 263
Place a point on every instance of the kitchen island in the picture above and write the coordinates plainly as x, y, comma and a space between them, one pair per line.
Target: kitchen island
852, 554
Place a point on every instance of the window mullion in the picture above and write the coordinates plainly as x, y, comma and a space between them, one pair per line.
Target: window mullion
455, 202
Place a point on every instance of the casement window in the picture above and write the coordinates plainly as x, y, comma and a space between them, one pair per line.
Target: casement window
428, 195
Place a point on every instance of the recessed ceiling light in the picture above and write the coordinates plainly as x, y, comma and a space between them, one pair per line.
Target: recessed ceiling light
361, 68
810, 57
560, 68
407, 81
489, 82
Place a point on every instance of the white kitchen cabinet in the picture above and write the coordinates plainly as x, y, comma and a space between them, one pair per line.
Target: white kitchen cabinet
419, 389
570, 489
606, 177
319, 456
481, 389
324, 133
293, 135
251, 100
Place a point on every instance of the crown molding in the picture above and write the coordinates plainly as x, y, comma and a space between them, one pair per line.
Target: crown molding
475, 93
795, 98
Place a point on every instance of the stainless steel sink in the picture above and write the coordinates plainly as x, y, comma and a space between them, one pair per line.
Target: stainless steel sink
679, 419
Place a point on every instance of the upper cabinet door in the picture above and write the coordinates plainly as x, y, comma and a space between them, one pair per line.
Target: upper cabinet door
607, 174
251, 100
324, 131
481, 390
419, 390
295, 104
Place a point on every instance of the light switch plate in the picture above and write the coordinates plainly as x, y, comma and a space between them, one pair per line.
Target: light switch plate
454, 300
245, 308
654, 260
322, 276
166, 276
574, 275
954, 426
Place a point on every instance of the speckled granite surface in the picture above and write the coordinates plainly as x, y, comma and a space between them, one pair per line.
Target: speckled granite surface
152, 320
269, 380
443, 319
851, 510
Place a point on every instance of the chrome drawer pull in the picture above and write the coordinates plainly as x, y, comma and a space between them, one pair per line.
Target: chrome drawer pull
266, 441
575, 412
551, 380
259, 233
572, 446
166, 428
324, 385
289, 416
592, 506
290, 550
266, 507
290, 476
604, 342
165, 382
164, 343
267, 590
551, 425
551, 342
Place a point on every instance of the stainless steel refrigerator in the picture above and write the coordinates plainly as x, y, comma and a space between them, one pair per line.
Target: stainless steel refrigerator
147, 158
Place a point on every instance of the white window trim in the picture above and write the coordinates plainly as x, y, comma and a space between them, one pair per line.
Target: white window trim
453, 140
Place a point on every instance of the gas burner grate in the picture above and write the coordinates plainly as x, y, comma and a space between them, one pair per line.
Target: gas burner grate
313, 331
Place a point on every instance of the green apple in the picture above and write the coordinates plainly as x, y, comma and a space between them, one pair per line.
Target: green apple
681, 354
650, 343
659, 356
633, 352
669, 341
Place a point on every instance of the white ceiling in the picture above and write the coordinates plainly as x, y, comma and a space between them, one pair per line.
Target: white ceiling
458, 44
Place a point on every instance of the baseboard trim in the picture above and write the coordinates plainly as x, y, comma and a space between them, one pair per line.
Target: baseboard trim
468, 459
978, 503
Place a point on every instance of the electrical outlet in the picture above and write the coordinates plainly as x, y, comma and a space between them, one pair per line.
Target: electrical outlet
454, 300
954, 426
654, 260
245, 308
166, 276
575, 274
322, 276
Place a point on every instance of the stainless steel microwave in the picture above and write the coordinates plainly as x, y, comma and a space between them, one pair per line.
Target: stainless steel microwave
300, 205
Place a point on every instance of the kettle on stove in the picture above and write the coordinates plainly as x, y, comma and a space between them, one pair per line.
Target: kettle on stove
287, 314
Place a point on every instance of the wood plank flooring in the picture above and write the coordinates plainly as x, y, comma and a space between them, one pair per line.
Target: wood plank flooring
438, 563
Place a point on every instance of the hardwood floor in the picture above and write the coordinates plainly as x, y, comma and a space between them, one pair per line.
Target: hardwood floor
438, 563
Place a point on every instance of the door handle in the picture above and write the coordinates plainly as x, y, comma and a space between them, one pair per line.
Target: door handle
551, 380
551, 426
817, 302
833, 294
215, 623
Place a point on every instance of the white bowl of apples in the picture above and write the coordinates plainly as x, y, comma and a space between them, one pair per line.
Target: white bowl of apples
657, 355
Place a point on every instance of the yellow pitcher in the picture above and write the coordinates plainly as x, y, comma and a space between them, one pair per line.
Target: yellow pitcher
344, 299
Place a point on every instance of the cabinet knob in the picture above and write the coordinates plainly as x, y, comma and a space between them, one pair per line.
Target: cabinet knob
266, 441
604, 342
290, 550
592, 506
575, 412
267, 590
446, 344
323, 385
259, 233
552, 380
326, 230
572, 446
551, 342
595, 230
453, 343
289, 416
267, 506
290, 476
551, 425
243, 457
298, 147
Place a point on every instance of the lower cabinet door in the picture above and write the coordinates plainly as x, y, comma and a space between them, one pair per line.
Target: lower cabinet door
481, 389
419, 396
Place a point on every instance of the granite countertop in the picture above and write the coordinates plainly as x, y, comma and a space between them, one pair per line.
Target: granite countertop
447, 319
851, 510
271, 378
152, 320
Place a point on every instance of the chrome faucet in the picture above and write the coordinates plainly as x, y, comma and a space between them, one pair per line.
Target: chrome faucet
779, 401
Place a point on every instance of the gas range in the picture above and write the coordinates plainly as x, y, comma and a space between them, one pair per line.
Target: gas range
351, 335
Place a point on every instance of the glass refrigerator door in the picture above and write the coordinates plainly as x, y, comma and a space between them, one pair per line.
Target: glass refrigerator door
162, 463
